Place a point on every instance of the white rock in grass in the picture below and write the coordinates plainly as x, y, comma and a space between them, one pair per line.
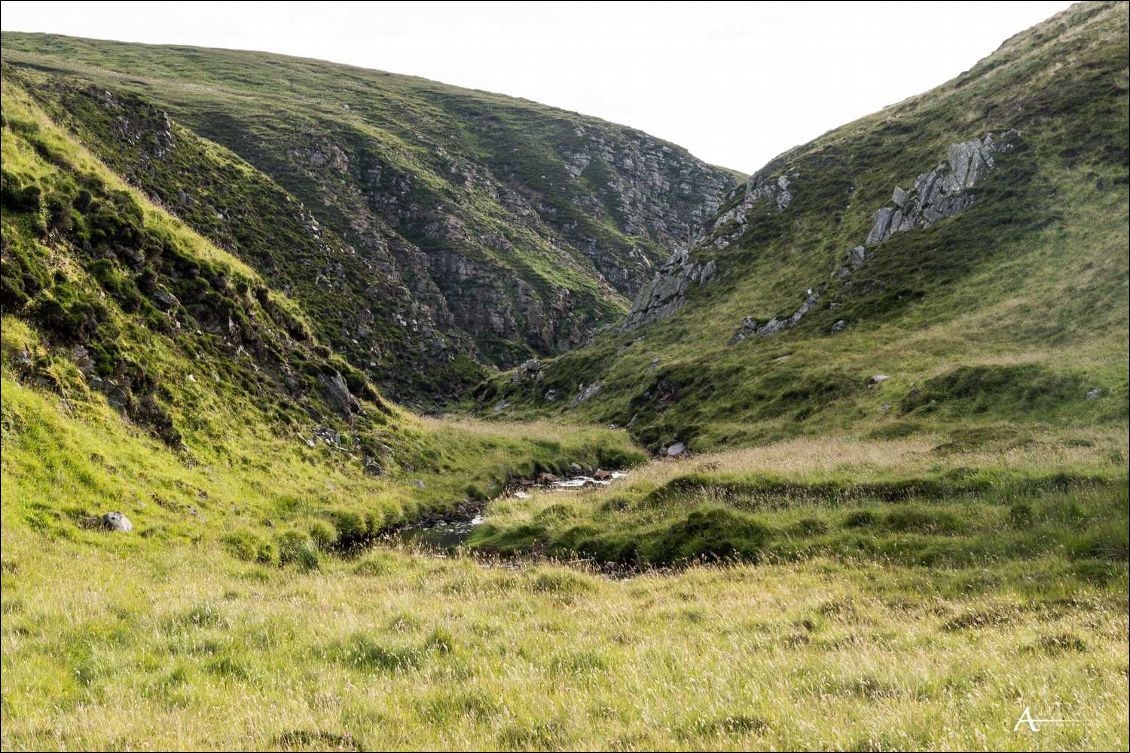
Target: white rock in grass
116, 521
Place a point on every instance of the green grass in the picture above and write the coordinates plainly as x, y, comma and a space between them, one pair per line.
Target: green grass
932, 503
395, 650
448, 220
1011, 311
901, 565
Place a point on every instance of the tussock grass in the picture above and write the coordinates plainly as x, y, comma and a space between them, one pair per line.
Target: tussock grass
115, 649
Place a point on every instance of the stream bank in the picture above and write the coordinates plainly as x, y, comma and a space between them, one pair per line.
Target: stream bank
450, 529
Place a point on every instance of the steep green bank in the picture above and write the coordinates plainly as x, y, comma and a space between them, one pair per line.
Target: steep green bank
148, 372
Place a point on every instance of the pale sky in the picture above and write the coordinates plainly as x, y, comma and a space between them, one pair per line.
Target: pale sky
736, 83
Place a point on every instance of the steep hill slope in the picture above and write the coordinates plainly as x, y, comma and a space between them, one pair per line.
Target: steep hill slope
147, 371
426, 229
959, 256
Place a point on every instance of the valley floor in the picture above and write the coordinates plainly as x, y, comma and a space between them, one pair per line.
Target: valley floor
186, 646
189, 649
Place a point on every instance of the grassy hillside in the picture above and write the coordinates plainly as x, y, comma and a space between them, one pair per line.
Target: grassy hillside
165, 375
427, 229
212, 269
1013, 310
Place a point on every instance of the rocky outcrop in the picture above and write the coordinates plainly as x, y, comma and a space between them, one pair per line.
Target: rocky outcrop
667, 291
938, 193
943, 191
759, 189
751, 327
416, 239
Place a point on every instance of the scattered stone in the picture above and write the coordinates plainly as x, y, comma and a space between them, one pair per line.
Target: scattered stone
521, 495
576, 468
116, 521
750, 326
586, 393
878, 379
676, 450
418, 483
337, 391
373, 468
164, 299
528, 372
1094, 393
547, 478
327, 435
602, 475
839, 326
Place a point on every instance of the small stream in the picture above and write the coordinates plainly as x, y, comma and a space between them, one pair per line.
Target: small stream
450, 530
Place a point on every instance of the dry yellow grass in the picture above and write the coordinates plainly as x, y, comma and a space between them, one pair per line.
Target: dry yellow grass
186, 648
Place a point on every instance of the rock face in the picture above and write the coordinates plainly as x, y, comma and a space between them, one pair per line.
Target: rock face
943, 191
667, 291
485, 230
938, 193
751, 326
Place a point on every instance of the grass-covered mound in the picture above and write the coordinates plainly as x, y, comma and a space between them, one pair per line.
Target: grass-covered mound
911, 501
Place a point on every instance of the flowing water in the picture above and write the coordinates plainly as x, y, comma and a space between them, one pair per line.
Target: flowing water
449, 531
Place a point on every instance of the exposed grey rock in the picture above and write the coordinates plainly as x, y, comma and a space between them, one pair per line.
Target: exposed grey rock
337, 392
878, 379
882, 227
676, 450
165, 299
327, 435
941, 192
839, 326
667, 291
1095, 393
751, 326
116, 521
586, 393
528, 372
373, 468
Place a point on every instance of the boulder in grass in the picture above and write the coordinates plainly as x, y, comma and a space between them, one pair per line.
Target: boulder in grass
116, 521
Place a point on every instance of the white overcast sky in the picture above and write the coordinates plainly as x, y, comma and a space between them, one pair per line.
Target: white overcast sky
736, 83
